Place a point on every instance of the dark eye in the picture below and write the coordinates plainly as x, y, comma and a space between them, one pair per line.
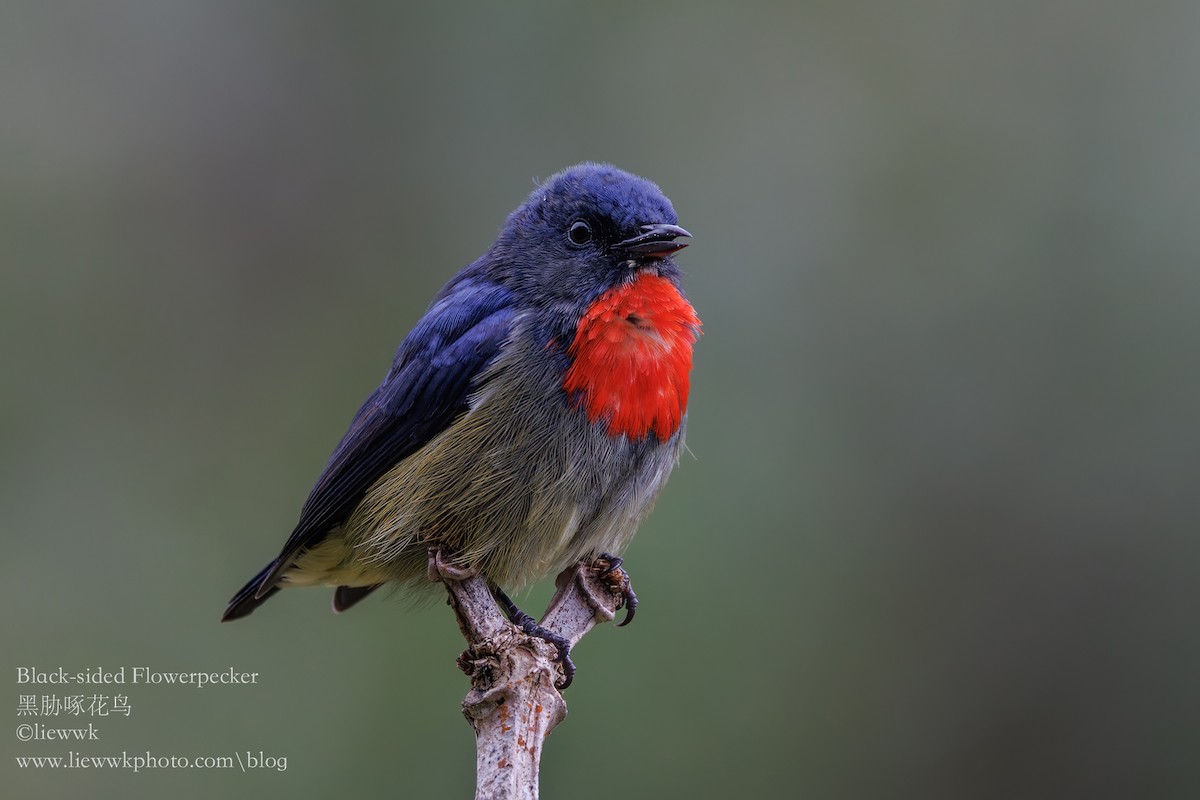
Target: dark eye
579, 232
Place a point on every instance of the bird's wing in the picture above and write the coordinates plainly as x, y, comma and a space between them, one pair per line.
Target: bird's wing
426, 389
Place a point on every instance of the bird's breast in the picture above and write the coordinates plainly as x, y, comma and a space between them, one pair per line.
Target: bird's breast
632, 358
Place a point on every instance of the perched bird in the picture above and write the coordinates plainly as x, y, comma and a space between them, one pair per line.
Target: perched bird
530, 418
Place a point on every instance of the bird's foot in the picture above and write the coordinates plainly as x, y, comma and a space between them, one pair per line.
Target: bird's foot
609, 569
530, 627
441, 568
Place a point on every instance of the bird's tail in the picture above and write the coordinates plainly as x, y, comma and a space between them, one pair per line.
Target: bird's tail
245, 601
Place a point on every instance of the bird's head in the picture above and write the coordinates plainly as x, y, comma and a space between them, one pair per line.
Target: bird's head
583, 231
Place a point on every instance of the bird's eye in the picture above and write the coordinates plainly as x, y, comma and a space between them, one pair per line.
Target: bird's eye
579, 232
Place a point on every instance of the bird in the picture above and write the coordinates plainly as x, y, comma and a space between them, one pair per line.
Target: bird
528, 421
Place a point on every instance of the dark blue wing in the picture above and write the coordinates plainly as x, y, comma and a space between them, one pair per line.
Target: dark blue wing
426, 389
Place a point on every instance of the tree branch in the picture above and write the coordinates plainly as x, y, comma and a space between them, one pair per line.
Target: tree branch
514, 702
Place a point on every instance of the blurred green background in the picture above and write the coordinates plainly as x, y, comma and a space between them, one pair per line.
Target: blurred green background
938, 538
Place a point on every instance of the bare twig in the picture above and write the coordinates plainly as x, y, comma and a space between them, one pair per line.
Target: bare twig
514, 702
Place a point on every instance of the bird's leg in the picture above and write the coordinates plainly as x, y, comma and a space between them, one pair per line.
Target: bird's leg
531, 628
610, 570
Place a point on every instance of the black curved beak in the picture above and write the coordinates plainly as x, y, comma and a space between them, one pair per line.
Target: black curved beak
655, 241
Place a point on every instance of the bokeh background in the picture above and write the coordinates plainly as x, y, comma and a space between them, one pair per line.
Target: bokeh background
937, 536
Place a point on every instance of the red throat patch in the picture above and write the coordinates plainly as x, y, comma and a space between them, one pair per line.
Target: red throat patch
633, 356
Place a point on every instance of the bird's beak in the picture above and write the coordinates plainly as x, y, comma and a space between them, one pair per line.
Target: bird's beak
655, 241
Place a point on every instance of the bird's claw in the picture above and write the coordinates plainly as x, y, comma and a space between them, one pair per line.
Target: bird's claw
618, 580
530, 627
440, 569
